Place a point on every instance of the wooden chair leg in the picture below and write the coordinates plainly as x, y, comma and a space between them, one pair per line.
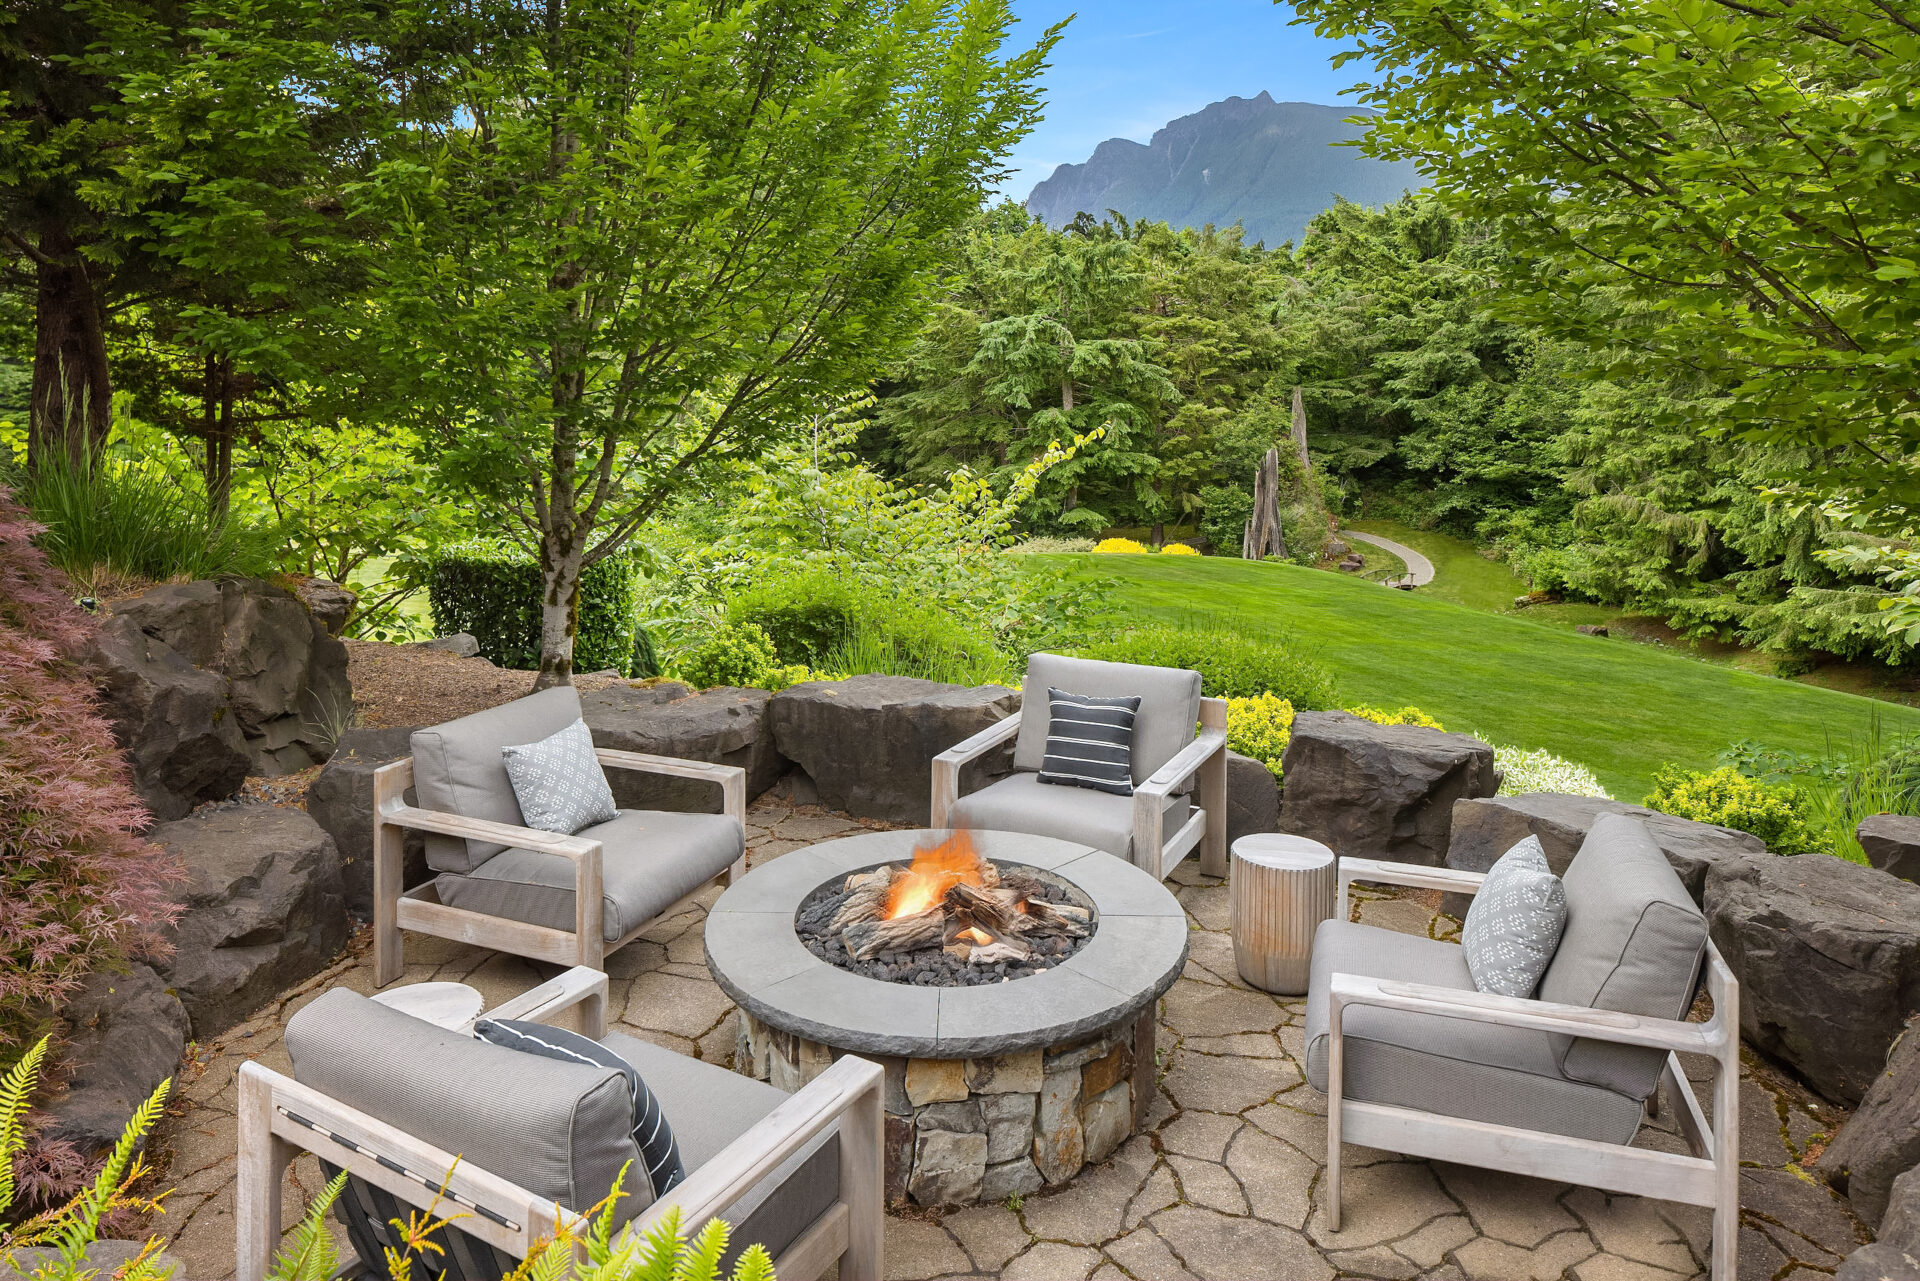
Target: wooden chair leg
263, 1161
1726, 1164
862, 1187
1336, 1064
1213, 799
389, 883
588, 936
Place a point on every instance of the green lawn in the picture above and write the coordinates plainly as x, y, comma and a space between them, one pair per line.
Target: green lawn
1620, 708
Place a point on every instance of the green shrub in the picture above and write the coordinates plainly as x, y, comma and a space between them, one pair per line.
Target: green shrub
826, 623
1049, 545
1230, 665
491, 591
1775, 813
739, 654
1225, 524
646, 658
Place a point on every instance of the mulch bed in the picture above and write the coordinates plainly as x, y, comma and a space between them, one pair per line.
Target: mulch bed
396, 685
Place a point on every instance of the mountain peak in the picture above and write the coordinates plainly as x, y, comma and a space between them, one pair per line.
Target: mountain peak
1269, 165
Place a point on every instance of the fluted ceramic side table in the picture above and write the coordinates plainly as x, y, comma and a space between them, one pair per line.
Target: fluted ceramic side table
1282, 887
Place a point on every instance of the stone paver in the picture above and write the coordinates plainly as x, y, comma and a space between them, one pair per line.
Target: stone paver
1224, 1183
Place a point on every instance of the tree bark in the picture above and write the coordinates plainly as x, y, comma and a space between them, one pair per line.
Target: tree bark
219, 464
1300, 433
72, 395
559, 609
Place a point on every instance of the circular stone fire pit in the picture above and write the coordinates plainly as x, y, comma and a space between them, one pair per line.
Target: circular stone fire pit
993, 1088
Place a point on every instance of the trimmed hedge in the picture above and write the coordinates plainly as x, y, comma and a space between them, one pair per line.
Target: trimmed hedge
492, 592
1230, 665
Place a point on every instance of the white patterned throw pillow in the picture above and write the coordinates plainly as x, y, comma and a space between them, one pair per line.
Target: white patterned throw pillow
559, 783
1515, 922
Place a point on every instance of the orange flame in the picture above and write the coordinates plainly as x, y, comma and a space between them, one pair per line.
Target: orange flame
974, 934
935, 870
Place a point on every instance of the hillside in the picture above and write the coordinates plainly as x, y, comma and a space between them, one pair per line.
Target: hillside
1269, 165
1619, 708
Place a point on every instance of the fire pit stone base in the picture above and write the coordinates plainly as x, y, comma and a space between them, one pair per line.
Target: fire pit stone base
967, 1131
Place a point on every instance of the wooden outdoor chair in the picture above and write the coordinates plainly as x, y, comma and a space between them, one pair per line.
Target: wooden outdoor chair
1414, 1059
1158, 825
569, 900
524, 1144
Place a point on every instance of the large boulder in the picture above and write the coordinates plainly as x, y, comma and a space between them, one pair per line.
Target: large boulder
1828, 957
125, 1035
264, 909
99, 1259
1253, 797
868, 743
723, 726
1878, 1262
286, 676
328, 602
340, 800
1900, 1222
1892, 843
1882, 1140
1379, 791
1486, 827
171, 718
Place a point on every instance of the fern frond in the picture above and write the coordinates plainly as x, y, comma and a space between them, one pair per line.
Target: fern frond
142, 1266
77, 1223
754, 1264
311, 1255
699, 1259
658, 1255
16, 1087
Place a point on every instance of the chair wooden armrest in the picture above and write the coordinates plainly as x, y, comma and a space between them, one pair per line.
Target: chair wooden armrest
947, 765
1381, 872
1151, 797
731, 778
1509, 1011
848, 1093
578, 986
572, 848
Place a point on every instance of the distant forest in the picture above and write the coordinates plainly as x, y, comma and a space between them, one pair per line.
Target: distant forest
1424, 404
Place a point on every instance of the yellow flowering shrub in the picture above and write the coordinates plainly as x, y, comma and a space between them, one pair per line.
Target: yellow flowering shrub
1395, 716
1775, 813
1124, 545
1260, 727
1179, 549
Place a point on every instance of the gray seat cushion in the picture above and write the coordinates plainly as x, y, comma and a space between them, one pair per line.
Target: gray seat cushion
1169, 706
1634, 943
1020, 802
457, 768
709, 1107
559, 1130
650, 860
1454, 1067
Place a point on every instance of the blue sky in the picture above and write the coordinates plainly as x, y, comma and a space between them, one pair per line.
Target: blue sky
1126, 67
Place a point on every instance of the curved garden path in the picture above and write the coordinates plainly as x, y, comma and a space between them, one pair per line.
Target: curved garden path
1419, 568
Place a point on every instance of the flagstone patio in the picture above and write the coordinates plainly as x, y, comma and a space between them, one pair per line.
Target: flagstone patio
1225, 1182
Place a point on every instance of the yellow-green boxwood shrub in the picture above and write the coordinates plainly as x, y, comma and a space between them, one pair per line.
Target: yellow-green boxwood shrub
1776, 813
491, 591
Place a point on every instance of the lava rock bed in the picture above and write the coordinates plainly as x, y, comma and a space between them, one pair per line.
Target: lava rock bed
932, 966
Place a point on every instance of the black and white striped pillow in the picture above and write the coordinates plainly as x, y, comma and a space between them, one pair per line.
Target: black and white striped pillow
1089, 742
650, 1129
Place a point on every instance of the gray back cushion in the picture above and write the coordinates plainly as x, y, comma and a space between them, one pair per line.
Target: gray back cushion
559, 1130
1634, 942
457, 768
1169, 706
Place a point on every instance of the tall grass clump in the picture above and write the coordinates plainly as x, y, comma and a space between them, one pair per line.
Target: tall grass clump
80, 888
1872, 772
110, 521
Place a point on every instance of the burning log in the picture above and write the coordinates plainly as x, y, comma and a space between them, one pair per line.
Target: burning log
867, 939
995, 911
1058, 918
868, 899
999, 950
